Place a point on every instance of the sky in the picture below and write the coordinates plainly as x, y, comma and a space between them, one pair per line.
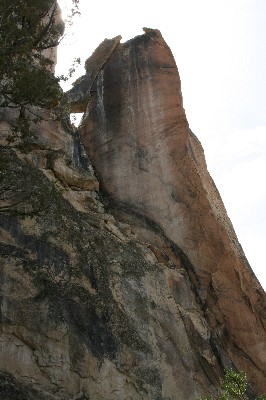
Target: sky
220, 50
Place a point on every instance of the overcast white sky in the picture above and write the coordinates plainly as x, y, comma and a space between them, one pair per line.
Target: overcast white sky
220, 50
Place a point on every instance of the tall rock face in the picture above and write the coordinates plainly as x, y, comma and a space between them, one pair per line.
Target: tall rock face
153, 172
147, 296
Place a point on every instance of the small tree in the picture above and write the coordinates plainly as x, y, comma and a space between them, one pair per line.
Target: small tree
28, 28
234, 387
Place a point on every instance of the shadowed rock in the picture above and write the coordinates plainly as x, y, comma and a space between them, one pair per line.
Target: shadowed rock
79, 96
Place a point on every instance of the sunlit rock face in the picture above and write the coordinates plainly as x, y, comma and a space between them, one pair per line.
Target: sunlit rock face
152, 169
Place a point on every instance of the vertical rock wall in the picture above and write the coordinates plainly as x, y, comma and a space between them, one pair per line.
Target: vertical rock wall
153, 172
147, 302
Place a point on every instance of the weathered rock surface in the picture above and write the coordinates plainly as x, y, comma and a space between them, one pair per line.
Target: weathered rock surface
153, 171
87, 311
79, 96
151, 302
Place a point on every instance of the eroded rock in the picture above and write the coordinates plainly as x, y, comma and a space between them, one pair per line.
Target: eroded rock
79, 96
152, 169
151, 302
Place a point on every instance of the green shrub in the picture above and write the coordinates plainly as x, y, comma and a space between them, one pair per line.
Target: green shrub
233, 387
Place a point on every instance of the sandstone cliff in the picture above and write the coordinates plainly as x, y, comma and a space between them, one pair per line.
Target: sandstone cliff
131, 285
